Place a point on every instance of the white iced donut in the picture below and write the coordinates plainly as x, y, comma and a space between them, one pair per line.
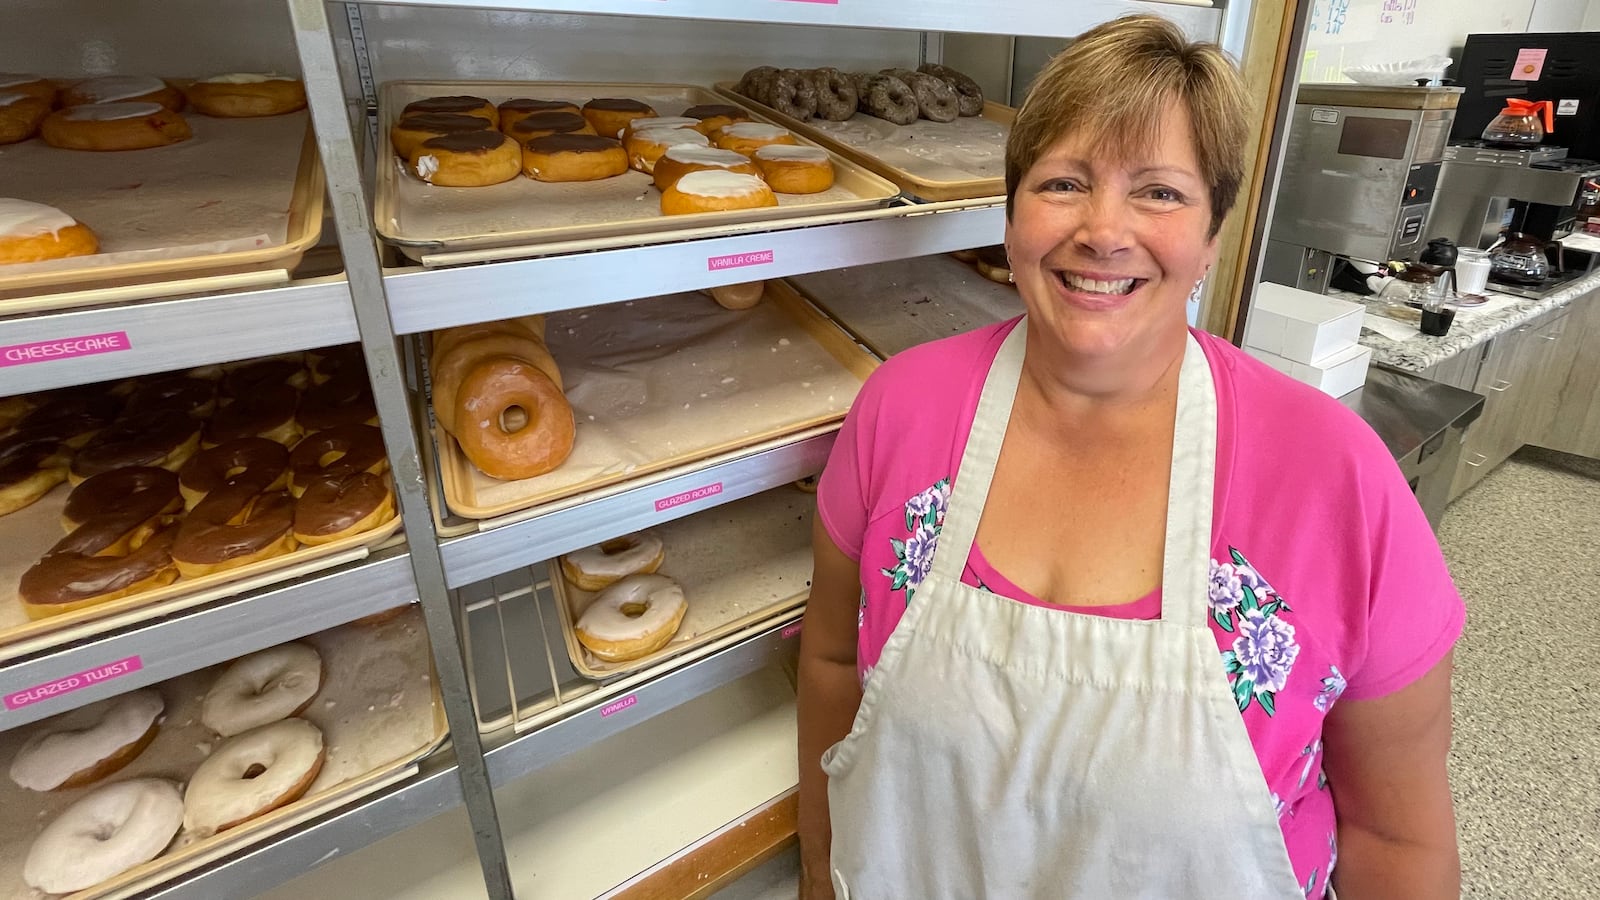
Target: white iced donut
598, 567
635, 616
105, 834
261, 688
251, 774
87, 744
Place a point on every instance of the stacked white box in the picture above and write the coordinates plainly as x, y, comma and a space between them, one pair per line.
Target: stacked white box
1309, 337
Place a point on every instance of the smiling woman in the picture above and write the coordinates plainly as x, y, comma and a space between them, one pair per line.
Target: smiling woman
1068, 634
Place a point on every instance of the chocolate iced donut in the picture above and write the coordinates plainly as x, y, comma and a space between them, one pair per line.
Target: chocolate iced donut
539, 124
333, 509
343, 399
456, 105
234, 525
267, 412
836, 94
193, 396
514, 111
336, 454
252, 460
794, 95
26, 473
412, 132
252, 377
889, 99
160, 437
969, 97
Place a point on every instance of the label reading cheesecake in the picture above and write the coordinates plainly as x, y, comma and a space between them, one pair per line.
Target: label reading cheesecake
64, 348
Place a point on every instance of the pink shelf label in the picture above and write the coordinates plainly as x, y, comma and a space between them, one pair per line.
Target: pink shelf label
64, 348
792, 630
740, 260
689, 496
611, 709
67, 685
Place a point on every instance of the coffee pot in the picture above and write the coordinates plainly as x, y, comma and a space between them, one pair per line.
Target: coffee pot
1441, 252
1520, 122
1522, 258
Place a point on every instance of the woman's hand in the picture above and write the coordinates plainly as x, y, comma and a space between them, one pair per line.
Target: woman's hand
829, 694
1385, 760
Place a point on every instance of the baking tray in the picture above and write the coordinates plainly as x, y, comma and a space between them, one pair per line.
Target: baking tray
28, 533
523, 214
965, 159
663, 381
242, 195
739, 564
379, 711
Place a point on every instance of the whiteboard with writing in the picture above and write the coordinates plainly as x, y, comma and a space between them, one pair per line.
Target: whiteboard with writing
1343, 33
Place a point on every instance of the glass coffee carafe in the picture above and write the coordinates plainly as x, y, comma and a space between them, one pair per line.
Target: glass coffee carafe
1521, 122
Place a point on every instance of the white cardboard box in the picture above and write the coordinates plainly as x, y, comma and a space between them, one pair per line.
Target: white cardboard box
1299, 325
1336, 375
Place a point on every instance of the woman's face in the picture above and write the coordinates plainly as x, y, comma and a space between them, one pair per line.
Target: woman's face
1105, 251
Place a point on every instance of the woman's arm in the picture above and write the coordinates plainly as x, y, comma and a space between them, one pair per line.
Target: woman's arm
829, 695
1385, 760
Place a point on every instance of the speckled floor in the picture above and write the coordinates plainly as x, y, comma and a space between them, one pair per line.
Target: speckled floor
1524, 546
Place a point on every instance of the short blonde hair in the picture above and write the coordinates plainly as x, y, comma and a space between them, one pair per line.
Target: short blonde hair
1113, 84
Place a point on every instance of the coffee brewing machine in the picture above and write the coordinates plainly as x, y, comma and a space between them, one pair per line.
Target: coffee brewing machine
1519, 173
1360, 173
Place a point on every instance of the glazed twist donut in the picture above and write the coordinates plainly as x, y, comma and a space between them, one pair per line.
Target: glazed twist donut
104, 834
119, 543
264, 687
89, 743
969, 95
251, 774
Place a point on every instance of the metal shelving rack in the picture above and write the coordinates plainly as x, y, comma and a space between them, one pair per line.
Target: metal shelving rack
377, 306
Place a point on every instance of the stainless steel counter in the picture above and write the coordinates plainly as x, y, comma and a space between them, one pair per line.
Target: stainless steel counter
1421, 423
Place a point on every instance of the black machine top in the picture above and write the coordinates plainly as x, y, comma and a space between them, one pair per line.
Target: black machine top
1569, 71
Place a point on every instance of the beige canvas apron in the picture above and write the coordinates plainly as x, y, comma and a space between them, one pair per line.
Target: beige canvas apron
1004, 749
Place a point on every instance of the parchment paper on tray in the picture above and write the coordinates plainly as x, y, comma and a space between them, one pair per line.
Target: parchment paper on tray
666, 380
377, 709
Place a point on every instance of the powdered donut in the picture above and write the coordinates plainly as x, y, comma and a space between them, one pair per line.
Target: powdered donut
598, 567
836, 94
262, 688
89, 743
890, 99
635, 616
794, 95
251, 774
969, 95
108, 832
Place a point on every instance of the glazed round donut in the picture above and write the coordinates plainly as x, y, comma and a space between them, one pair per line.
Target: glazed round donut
158, 437
573, 157
539, 124
106, 833
251, 774
514, 111
410, 133
512, 420
26, 473
114, 126
264, 687
445, 339
936, 100
682, 159
88, 743
450, 369
889, 99
332, 510
30, 232
457, 105
120, 548
195, 397
267, 412
969, 95
597, 568
712, 116
795, 169
336, 454
469, 159
644, 147
794, 95
32, 85
757, 83
636, 616
247, 95
715, 191
20, 115
609, 115
123, 89
739, 296
255, 460
748, 137
836, 94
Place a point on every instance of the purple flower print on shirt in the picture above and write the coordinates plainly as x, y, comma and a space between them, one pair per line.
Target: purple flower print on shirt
1266, 650
1332, 688
919, 555
1226, 588
914, 555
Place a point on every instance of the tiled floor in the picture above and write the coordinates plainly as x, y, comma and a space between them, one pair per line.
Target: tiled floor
1524, 546
1525, 550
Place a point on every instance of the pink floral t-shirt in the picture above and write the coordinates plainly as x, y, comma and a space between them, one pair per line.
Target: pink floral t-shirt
1326, 580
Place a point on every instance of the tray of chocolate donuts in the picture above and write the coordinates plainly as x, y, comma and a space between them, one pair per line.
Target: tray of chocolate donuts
535, 410
631, 602
930, 131
110, 799
133, 499
516, 165
129, 179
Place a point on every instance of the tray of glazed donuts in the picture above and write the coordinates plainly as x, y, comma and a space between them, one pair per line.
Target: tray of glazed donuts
143, 496
514, 165
112, 798
535, 410
628, 603
129, 179
929, 131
